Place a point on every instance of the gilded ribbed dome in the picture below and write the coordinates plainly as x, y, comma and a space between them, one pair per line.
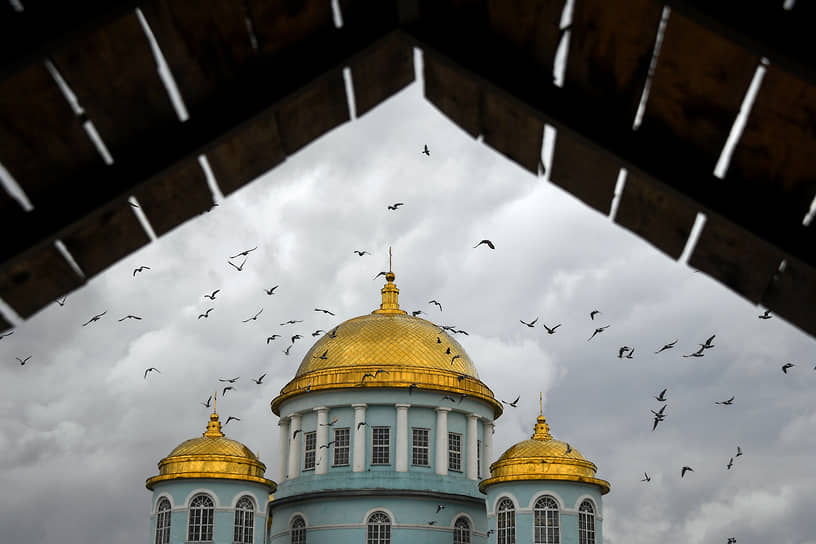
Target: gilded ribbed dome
212, 455
407, 349
543, 458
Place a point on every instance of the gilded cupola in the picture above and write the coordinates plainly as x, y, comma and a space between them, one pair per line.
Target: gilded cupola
407, 351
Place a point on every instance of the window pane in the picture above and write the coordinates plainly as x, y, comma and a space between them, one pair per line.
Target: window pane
380, 446
310, 441
455, 452
419, 447
341, 447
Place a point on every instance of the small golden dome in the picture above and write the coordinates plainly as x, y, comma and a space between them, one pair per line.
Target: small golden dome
409, 350
211, 456
543, 458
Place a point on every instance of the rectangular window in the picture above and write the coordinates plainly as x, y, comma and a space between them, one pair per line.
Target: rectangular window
455, 452
341, 447
310, 440
381, 445
478, 458
420, 447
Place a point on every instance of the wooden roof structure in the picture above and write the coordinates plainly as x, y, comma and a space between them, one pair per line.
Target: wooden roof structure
262, 78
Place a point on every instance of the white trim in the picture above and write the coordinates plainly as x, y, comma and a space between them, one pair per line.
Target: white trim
379, 509
202, 490
546, 492
595, 507
466, 515
247, 494
292, 518
500, 497
158, 497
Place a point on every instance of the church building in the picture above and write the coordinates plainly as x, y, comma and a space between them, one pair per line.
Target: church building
386, 437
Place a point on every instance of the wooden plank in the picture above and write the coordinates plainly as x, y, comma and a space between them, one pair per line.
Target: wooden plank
206, 43
281, 25
531, 27
113, 74
792, 294
41, 140
175, 197
248, 153
775, 159
512, 130
381, 72
694, 97
313, 111
37, 280
584, 171
610, 49
660, 217
453, 93
735, 257
101, 240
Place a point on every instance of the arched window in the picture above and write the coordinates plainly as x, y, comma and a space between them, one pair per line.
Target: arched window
200, 525
545, 521
586, 523
506, 522
163, 522
297, 532
244, 521
379, 528
461, 531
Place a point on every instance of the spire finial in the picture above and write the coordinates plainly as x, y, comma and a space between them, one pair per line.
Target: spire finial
540, 404
542, 430
389, 258
215, 400
390, 293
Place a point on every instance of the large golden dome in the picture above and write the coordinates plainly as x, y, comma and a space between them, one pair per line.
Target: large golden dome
543, 458
407, 349
212, 455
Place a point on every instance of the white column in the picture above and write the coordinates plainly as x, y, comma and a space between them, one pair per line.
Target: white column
402, 437
359, 447
294, 446
442, 440
487, 442
283, 456
322, 452
472, 445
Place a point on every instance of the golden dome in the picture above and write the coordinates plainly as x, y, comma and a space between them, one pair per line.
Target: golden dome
409, 350
543, 458
211, 456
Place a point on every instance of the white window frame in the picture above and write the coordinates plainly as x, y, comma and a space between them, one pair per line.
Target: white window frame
387, 446
418, 449
546, 510
203, 526
342, 448
506, 521
297, 530
381, 529
455, 454
309, 455
461, 530
586, 523
244, 521
163, 521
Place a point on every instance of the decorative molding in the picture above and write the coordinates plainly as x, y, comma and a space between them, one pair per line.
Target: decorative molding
375, 492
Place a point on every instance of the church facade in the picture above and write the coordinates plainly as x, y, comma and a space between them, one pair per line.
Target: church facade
386, 436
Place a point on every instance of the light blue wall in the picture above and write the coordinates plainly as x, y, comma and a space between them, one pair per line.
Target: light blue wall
225, 493
569, 495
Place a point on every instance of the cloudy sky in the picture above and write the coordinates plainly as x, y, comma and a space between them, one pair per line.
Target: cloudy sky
83, 430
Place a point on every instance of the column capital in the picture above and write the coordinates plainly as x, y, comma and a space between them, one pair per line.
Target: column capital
320, 409
487, 420
359, 405
402, 405
283, 421
473, 415
293, 415
442, 409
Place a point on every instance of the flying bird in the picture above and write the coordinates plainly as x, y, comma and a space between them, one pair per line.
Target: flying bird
569, 449
550, 330
322, 356
367, 375
395, 205
136, 317
666, 346
659, 413
728, 402
97, 317
380, 371
254, 317
593, 313
208, 403
238, 268
426, 151
360, 424
273, 337
6, 334
448, 397
531, 324
623, 350
270, 291
294, 434
598, 331
230, 380
435, 303
662, 396
731, 540
361, 253
296, 337
330, 423
432, 522
630, 354
439, 508
317, 332
231, 418
62, 302
227, 388
657, 420
766, 315
244, 253
333, 333
140, 269
206, 314
324, 311
514, 404
698, 353
286, 351
211, 296
411, 388
684, 470
328, 444
23, 361
461, 331
151, 369
259, 380
786, 366
380, 274
487, 242
708, 343
455, 357
292, 322
417, 312
730, 463
646, 478
447, 351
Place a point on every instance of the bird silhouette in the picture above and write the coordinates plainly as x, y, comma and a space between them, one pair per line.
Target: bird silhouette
292, 322
395, 205
361, 253
231, 418
438, 305
426, 151
380, 371
708, 344
253, 318
380, 274
447, 351
317, 332
461, 331
333, 333
367, 375
660, 413
593, 313
270, 291
455, 357
23, 361
514, 404
531, 324
786, 366
657, 420
728, 402
550, 330
238, 268
411, 388
229, 380
646, 478
684, 470
6, 334
296, 337
294, 434
599, 330
432, 522
662, 396
360, 424
417, 312
330, 423
666, 346
486, 242
766, 315
622, 350
227, 388
731, 540
630, 354
140, 269
273, 337
698, 353
327, 444
324, 311
136, 317
259, 380
286, 351
211, 296
730, 463
62, 302
151, 369
208, 403
569, 449
97, 317
448, 397
322, 356
206, 314
739, 452
439, 508
244, 253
